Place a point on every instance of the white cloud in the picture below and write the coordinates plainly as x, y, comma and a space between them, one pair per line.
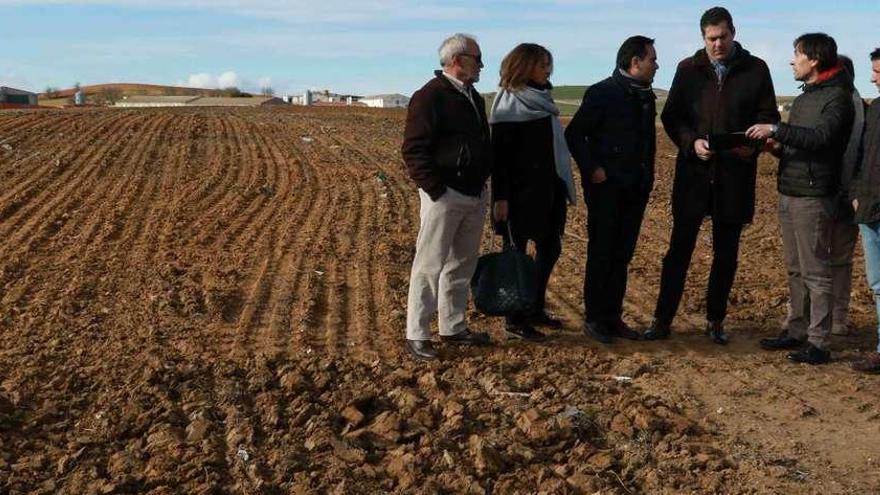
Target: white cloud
205, 80
202, 80
228, 79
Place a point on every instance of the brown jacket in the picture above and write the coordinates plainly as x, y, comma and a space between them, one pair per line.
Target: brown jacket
698, 106
446, 140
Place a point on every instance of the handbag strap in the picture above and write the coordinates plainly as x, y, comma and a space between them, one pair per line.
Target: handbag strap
510, 234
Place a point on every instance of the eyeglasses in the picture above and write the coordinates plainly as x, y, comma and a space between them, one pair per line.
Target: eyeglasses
477, 58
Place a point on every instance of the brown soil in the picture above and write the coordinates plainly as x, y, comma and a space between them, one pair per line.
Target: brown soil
212, 301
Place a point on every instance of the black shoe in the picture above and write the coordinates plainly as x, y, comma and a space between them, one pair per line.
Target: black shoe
598, 332
524, 332
781, 343
868, 365
810, 354
715, 331
545, 319
659, 330
466, 337
622, 330
421, 349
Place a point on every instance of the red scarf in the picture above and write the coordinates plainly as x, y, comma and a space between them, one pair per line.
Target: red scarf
828, 74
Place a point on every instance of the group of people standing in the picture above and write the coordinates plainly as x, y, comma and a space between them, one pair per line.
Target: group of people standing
721, 113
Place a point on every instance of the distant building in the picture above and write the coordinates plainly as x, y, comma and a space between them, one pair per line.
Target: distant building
143, 101
323, 97
17, 96
196, 101
386, 101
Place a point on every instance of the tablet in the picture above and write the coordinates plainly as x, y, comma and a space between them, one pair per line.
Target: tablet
730, 140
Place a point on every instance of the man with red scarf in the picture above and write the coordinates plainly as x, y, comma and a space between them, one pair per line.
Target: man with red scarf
811, 148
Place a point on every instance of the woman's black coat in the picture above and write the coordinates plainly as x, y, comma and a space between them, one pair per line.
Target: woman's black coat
524, 174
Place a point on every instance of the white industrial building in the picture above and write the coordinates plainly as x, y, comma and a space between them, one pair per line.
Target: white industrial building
17, 96
312, 97
386, 101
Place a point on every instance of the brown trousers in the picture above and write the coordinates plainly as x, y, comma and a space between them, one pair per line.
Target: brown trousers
807, 225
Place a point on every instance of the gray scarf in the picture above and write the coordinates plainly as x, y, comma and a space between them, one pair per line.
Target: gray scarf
528, 104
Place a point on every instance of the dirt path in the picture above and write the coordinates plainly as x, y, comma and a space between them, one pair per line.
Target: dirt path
213, 301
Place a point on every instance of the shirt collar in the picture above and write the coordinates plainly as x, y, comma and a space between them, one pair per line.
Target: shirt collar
455, 82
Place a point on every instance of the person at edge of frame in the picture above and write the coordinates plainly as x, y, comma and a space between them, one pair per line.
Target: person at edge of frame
865, 196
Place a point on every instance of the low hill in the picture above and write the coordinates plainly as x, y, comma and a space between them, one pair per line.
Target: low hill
128, 89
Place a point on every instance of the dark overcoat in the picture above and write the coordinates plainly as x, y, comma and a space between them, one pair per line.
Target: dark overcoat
697, 106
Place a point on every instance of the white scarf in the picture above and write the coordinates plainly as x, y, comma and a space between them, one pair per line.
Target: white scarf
528, 104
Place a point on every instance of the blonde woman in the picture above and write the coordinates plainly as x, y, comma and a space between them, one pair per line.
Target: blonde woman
531, 177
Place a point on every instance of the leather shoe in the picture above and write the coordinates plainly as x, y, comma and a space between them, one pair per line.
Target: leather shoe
622, 330
868, 365
781, 343
598, 332
524, 332
715, 331
659, 330
466, 337
810, 354
545, 319
421, 349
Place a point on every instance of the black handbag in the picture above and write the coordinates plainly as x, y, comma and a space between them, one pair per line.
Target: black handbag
504, 283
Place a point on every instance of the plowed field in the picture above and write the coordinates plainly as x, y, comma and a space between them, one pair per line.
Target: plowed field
213, 301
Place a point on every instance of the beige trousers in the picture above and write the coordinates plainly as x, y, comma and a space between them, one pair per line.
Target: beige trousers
447, 249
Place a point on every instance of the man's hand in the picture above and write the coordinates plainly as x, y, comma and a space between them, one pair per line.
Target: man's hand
598, 176
499, 210
760, 131
701, 147
856, 205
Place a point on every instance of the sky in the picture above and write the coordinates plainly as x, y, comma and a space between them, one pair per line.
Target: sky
367, 47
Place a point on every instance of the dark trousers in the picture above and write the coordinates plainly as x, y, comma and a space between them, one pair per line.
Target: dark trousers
614, 218
547, 253
725, 247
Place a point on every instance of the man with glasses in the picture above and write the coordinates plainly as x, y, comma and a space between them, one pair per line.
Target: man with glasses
448, 155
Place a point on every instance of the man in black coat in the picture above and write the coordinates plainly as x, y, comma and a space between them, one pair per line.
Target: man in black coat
612, 137
865, 195
721, 89
448, 155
